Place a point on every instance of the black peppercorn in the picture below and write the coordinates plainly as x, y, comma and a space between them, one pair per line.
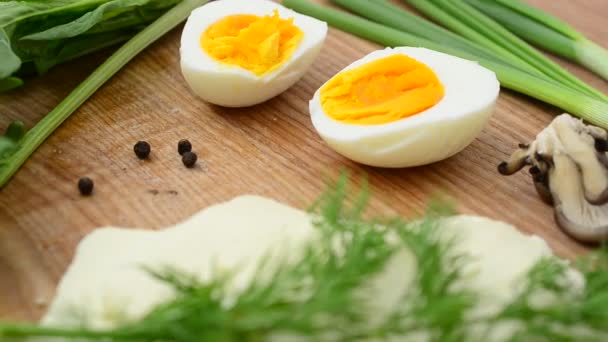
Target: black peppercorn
189, 159
142, 149
85, 185
184, 146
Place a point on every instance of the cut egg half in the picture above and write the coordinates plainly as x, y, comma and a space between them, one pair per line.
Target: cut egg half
405, 106
238, 53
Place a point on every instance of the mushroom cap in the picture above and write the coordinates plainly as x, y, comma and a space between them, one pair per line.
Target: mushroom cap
573, 213
569, 167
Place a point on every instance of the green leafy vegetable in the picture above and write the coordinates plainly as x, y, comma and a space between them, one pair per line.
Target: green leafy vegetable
37, 35
318, 296
466, 20
510, 76
86, 22
546, 31
10, 61
35, 136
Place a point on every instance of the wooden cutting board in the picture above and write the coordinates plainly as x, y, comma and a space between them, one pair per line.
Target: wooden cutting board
270, 149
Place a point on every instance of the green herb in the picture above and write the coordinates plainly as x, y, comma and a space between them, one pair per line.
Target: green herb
466, 20
318, 297
35, 136
511, 77
546, 31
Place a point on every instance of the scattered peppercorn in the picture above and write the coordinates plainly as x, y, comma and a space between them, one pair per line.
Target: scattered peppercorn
85, 185
184, 146
189, 159
142, 149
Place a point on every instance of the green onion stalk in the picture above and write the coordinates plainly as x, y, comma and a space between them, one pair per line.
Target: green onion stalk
586, 107
383, 12
35, 136
546, 31
469, 22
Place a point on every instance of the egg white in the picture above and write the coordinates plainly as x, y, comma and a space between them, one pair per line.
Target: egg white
233, 86
429, 136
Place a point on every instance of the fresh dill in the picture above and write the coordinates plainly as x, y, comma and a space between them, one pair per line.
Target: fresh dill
318, 297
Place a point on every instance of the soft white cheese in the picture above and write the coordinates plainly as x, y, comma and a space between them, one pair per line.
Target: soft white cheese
105, 284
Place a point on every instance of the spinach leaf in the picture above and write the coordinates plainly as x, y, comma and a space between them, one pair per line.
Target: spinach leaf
10, 61
87, 21
36, 35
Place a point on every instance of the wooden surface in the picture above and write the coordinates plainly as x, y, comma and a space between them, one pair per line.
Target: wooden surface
270, 149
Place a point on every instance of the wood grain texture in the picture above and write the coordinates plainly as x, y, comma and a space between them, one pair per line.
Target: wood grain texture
270, 149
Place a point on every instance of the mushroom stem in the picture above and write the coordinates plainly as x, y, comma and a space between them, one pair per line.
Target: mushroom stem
516, 162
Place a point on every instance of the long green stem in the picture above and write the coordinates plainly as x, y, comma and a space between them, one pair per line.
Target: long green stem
524, 27
435, 12
386, 13
547, 32
78, 96
583, 106
470, 22
540, 16
593, 57
24, 330
383, 12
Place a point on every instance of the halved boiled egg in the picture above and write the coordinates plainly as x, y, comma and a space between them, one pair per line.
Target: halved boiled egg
404, 106
238, 53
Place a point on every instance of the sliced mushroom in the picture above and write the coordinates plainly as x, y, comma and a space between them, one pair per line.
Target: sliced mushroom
578, 218
580, 146
569, 167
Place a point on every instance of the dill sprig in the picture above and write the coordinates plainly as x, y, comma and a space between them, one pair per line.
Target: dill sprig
320, 296
559, 304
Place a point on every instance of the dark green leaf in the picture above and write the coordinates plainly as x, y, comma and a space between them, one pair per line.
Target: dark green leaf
10, 61
87, 21
10, 140
36, 35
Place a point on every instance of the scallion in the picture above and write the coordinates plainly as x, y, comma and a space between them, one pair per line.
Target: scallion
469, 22
513, 78
386, 13
547, 32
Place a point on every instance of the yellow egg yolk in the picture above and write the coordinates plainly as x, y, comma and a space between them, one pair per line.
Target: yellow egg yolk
381, 91
258, 44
